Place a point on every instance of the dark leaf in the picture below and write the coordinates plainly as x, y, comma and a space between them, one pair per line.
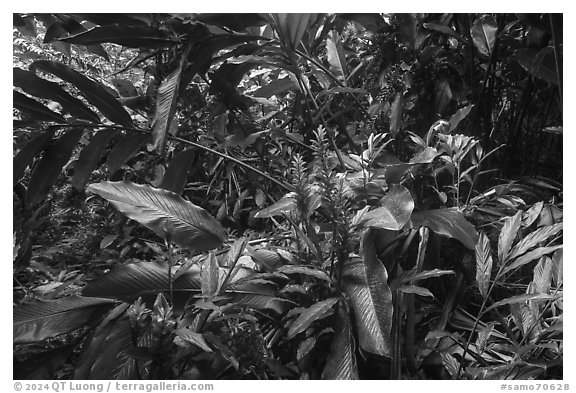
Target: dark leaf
443, 29
125, 87
460, 115
42, 319
89, 158
41, 88
397, 206
341, 362
28, 152
113, 19
443, 94
309, 316
124, 150
35, 109
94, 92
276, 87
129, 36
128, 282
176, 175
483, 32
165, 213
188, 336
396, 113
48, 169
236, 22
447, 222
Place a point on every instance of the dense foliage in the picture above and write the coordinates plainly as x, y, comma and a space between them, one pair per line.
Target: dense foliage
288, 196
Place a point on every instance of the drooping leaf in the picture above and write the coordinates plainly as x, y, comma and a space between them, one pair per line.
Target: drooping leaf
460, 115
28, 152
534, 238
341, 362
176, 175
124, 150
416, 290
366, 284
129, 36
128, 282
114, 19
236, 22
483, 32
295, 269
291, 27
448, 222
35, 109
38, 87
42, 319
397, 206
558, 268
309, 316
507, 236
520, 299
540, 64
89, 157
413, 277
48, 169
166, 100
68, 25
94, 92
276, 87
286, 204
530, 256
104, 354
336, 56
305, 347
483, 264
165, 213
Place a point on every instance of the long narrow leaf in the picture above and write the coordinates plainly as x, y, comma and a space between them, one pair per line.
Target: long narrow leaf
129, 36
28, 152
520, 299
176, 175
448, 222
38, 87
533, 255
341, 362
483, 264
532, 239
164, 212
43, 319
336, 56
94, 92
89, 158
507, 236
124, 150
48, 169
34, 109
310, 315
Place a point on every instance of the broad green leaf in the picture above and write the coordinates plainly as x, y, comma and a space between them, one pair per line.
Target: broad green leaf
129, 36
460, 115
210, 276
426, 156
176, 175
48, 169
276, 87
308, 271
34, 109
542, 275
305, 347
520, 299
90, 156
336, 56
94, 92
534, 238
186, 335
28, 152
448, 222
128, 282
291, 27
483, 264
166, 100
394, 213
38, 87
530, 256
540, 64
165, 213
284, 205
104, 354
124, 150
341, 362
483, 32
42, 319
309, 316
507, 236
366, 284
